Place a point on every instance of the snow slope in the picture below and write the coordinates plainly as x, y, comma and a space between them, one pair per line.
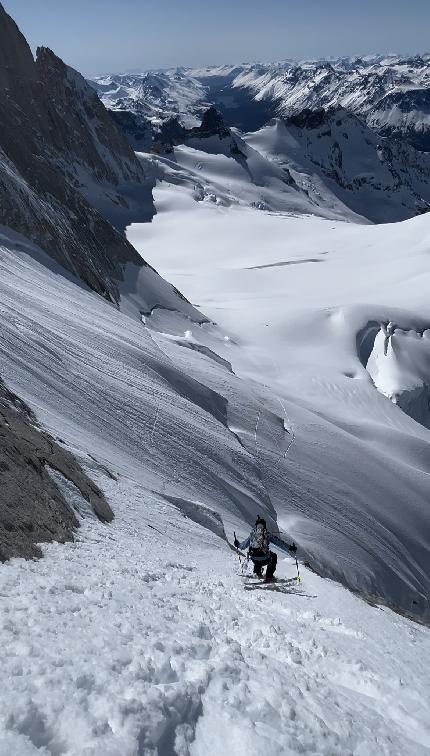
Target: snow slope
143, 638
231, 171
335, 153
298, 296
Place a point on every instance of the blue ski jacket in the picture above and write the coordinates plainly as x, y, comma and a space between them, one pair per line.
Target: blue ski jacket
270, 539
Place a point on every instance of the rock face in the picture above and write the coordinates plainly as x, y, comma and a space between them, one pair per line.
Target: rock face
379, 178
77, 125
212, 125
61, 156
172, 132
32, 508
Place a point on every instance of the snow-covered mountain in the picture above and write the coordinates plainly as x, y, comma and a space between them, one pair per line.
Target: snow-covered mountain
333, 151
154, 96
390, 93
139, 431
344, 151
222, 167
317, 162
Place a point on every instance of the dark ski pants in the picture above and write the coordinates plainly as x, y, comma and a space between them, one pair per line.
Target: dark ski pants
270, 563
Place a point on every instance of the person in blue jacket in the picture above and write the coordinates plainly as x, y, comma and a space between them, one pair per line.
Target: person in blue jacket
258, 543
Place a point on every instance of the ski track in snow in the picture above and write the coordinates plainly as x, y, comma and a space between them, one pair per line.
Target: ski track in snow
117, 647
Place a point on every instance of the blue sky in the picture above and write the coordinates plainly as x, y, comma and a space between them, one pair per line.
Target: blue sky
117, 35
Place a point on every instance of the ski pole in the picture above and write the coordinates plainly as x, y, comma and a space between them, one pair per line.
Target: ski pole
238, 552
242, 561
298, 571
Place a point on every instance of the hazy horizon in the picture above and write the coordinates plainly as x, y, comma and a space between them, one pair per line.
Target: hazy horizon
106, 37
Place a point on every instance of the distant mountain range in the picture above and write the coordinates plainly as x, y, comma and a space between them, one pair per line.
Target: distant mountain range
390, 93
350, 129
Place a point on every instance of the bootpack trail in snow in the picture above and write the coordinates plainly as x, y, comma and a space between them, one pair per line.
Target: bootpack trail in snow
128, 651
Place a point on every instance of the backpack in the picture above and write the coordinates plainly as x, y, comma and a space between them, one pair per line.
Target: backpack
259, 540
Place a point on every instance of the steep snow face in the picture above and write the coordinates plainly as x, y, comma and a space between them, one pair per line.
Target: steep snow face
334, 152
399, 365
142, 636
166, 425
294, 294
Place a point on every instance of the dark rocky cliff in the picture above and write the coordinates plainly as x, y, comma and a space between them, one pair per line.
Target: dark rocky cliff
59, 148
33, 510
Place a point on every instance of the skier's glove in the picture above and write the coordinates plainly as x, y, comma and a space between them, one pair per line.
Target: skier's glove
292, 548
236, 543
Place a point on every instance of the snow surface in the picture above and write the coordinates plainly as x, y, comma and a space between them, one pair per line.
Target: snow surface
295, 296
232, 171
143, 638
342, 158
140, 638
281, 395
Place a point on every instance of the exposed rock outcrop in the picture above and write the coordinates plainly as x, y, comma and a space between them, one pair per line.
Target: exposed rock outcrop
173, 133
32, 508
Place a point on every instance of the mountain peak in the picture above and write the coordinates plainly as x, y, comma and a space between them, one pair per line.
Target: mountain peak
16, 59
61, 156
46, 57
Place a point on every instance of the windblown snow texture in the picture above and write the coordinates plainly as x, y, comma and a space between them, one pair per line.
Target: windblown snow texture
294, 387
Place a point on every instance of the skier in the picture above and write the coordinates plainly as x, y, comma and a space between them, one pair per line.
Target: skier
258, 544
